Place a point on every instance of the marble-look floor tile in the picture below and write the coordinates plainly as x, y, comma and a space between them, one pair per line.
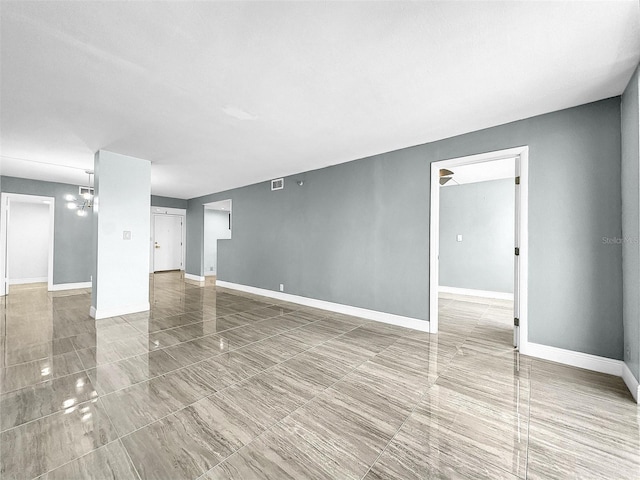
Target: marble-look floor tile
192, 441
197, 350
30, 403
267, 398
272, 350
114, 376
141, 404
23, 375
109, 461
556, 453
49, 442
215, 383
344, 431
28, 353
278, 454
409, 460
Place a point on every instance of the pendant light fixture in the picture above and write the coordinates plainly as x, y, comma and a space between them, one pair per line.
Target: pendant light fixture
83, 205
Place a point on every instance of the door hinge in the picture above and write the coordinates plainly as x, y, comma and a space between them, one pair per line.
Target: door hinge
517, 251
516, 322
518, 180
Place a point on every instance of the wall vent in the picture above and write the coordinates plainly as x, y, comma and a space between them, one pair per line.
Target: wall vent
277, 184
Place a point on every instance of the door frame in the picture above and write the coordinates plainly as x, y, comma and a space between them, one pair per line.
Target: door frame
167, 211
5, 201
521, 154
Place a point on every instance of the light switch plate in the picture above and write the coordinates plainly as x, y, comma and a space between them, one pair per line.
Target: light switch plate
458, 238
126, 235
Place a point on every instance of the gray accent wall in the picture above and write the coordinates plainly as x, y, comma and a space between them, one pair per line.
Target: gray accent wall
357, 233
72, 234
483, 213
630, 111
168, 202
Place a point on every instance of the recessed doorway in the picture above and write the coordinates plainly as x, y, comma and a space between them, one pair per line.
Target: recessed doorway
217, 226
168, 239
441, 169
26, 243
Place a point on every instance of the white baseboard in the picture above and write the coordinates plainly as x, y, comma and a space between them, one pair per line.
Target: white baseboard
631, 382
114, 312
390, 318
209, 274
70, 286
24, 281
193, 278
575, 359
476, 293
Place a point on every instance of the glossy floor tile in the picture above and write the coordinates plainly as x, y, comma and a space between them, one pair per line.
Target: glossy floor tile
213, 383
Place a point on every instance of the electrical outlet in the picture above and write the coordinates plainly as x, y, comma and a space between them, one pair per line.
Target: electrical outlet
458, 238
282, 287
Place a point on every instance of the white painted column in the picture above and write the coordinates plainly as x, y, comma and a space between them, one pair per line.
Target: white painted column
121, 232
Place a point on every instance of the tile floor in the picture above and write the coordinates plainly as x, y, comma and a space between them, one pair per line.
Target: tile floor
213, 384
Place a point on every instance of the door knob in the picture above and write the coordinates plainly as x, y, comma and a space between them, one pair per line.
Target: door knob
157, 246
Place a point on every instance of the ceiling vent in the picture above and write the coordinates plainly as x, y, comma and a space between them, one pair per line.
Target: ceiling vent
84, 191
277, 184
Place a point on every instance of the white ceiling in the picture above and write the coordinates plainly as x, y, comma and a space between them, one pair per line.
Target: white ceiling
223, 94
482, 172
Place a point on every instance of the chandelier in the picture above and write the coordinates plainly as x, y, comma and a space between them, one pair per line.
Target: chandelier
85, 202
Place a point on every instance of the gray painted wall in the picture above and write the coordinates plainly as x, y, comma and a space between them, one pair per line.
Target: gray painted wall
216, 226
168, 202
483, 213
630, 112
72, 234
358, 233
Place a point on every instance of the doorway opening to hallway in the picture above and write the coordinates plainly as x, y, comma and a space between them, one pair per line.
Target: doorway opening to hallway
478, 238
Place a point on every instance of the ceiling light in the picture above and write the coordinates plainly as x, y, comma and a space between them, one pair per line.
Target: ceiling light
87, 198
445, 176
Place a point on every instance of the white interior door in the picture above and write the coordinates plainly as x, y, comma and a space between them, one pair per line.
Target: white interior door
167, 247
516, 260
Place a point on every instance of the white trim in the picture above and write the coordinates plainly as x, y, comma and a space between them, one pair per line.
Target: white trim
588, 362
168, 211
434, 230
390, 318
631, 382
476, 293
24, 281
209, 274
114, 312
194, 278
70, 286
575, 359
4, 205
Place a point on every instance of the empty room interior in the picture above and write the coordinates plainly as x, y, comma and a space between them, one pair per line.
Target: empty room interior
319, 240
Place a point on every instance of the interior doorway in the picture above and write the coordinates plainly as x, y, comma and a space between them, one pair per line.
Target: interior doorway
217, 226
168, 239
444, 168
27, 241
